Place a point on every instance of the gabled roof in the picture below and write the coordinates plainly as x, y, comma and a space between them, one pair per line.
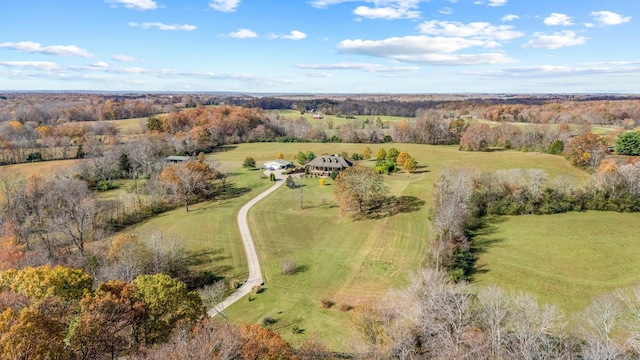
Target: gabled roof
331, 161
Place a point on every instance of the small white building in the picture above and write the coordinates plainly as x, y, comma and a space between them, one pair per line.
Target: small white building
277, 164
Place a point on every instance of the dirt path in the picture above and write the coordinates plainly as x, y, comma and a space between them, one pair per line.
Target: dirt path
255, 275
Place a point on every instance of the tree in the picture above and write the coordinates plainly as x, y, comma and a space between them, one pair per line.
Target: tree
586, 150
410, 164
381, 154
301, 158
366, 153
188, 180
310, 155
104, 325
291, 184
392, 155
628, 143
279, 156
402, 158
358, 188
249, 163
167, 301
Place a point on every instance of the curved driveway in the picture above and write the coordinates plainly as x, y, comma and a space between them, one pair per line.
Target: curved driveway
255, 275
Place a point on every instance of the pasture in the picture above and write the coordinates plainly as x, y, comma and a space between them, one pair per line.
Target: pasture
564, 259
340, 259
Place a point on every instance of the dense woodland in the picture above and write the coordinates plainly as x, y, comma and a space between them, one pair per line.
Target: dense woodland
67, 269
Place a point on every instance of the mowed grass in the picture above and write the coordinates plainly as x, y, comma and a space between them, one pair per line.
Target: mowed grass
564, 259
209, 231
344, 260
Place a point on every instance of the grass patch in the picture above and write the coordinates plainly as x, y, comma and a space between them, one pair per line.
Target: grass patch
564, 259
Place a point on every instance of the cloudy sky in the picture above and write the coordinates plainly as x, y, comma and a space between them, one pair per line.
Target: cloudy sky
322, 46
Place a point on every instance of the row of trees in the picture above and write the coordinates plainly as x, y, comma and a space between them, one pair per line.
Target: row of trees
434, 318
463, 198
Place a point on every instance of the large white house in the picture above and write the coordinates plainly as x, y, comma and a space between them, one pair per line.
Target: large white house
277, 164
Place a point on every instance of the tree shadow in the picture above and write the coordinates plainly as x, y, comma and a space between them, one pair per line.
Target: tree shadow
390, 206
231, 191
481, 236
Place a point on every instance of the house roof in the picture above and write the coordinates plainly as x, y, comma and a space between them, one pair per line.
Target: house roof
280, 162
331, 161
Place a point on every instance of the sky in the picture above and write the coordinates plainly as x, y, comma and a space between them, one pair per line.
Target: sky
321, 46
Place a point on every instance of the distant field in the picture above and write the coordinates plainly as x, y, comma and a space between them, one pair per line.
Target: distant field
339, 121
565, 259
596, 129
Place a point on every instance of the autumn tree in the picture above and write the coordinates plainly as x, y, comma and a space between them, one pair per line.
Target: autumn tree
410, 164
105, 322
586, 150
381, 154
366, 153
188, 180
167, 301
280, 156
402, 158
358, 188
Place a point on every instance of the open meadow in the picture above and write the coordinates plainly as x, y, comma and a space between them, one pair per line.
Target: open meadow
342, 260
565, 259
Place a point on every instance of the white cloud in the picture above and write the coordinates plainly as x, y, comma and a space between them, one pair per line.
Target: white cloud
606, 68
556, 19
609, 18
477, 30
510, 17
424, 49
555, 40
59, 50
295, 35
136, 4
100, 65
358, 66
224, 5
39, 65
387, 13
381, 9
123, 58
497, 2
446, 11
162, 26
243, 34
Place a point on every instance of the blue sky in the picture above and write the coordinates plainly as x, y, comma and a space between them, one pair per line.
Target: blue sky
322, 46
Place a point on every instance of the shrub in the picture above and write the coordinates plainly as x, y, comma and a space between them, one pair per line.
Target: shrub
288, 266
345, 307
234, 284
326, 303
322, 182
249, 163
268, 321
272, 177
256, 289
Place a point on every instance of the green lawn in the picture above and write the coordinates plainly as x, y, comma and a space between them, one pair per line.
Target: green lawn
565, 259
343, 260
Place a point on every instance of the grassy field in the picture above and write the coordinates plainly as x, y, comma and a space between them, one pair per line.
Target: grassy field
344, 260
565, 259
339, 121
209, 231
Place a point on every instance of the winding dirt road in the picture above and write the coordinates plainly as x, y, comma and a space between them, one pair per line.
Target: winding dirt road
255, 275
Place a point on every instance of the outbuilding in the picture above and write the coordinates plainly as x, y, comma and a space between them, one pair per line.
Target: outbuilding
277, 164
